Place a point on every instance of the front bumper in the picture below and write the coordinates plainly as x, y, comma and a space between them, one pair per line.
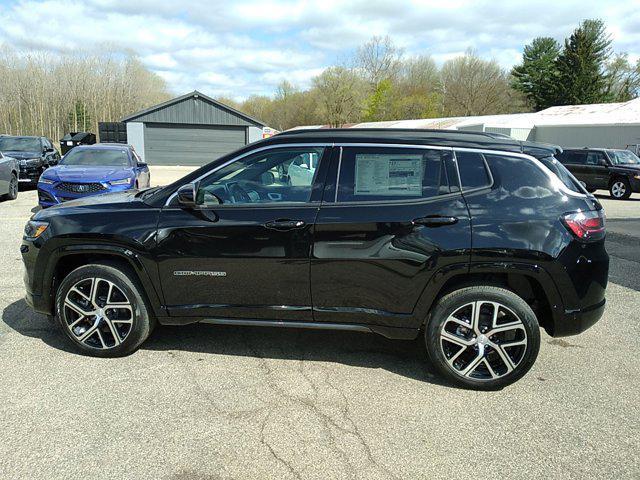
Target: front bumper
29, 174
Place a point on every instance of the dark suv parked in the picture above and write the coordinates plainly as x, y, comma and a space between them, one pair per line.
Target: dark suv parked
470, 240
601, 168
34, 155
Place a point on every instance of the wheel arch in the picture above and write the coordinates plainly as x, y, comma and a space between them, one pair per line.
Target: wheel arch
70, 258
530, 282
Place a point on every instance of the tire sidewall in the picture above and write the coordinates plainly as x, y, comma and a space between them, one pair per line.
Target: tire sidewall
141, 327
450, 303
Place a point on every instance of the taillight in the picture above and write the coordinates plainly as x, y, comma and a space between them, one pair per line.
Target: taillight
587, 226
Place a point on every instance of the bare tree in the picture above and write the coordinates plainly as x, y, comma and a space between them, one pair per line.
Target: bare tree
379, 59
473, 86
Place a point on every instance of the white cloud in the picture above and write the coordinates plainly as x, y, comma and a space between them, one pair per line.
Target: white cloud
247, 47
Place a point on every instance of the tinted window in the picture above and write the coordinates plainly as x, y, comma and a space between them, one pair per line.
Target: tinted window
573, 157
594, 158
379, 174
563, 174
270, 176
473, 170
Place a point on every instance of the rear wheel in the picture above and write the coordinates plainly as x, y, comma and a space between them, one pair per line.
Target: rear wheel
482, 337
620, 188
101, 309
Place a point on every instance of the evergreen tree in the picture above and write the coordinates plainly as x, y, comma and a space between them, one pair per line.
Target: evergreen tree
581, 66
537, 76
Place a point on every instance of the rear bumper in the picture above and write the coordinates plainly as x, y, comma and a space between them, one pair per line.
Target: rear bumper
577, 321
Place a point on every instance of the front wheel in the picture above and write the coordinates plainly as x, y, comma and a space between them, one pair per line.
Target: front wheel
101, 309
482, 337
13, 189
620, 189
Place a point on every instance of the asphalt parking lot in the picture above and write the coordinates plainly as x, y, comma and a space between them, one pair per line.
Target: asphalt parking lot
205, 402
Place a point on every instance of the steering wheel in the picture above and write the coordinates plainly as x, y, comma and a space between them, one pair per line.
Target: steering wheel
238, 194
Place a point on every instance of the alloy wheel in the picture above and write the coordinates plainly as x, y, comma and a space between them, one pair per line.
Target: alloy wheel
98, 313
483, 340
13, 187
618, 189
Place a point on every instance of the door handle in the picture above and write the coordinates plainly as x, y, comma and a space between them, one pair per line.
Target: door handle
435, 221
284, 224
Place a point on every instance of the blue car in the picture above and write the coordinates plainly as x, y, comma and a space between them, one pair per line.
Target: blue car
92, 170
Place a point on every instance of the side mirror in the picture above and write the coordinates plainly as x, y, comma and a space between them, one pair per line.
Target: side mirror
602, 162
187, 195
141, 164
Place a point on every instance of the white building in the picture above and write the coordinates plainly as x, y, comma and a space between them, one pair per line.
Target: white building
605, 125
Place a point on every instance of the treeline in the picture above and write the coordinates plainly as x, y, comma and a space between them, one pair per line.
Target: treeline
585, 70
51, 95
381, 83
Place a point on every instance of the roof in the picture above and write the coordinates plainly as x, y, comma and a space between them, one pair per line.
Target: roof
449, 138
152, 113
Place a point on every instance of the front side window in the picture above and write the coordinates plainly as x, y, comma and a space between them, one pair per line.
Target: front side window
382, 174
270, 176
595, 158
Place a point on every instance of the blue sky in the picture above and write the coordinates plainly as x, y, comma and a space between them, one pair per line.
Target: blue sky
236, 48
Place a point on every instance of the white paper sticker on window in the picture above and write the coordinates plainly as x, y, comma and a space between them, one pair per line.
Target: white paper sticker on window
378, 174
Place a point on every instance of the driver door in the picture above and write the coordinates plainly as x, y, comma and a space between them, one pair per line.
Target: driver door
244, 251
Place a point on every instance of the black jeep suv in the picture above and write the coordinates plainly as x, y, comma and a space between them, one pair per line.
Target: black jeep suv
468, 239
34, 155
603, 168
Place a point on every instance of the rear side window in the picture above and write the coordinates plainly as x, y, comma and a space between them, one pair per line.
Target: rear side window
473, 170
573, 157
383, 174
563, 174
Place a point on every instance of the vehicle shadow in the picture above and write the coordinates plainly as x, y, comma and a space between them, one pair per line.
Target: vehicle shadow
405, 358
608, 197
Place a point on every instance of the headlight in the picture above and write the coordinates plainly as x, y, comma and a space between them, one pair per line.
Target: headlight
34, 229
124, 181
34, 161
46, 181
637, 177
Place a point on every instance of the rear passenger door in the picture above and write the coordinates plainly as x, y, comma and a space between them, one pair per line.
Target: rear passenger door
390, 218
598, 171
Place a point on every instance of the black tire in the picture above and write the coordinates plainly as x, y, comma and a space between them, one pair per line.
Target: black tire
13, 188
620, 188
124, 279
511, 304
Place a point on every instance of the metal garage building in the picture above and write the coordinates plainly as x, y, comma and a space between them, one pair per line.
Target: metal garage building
190, 130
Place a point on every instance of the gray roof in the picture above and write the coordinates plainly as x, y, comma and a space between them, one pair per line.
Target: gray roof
194, 108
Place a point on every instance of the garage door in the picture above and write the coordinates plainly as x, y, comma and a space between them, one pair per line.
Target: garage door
189, 144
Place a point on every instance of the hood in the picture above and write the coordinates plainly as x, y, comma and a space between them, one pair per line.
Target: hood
21, 155
105, 201
81, 174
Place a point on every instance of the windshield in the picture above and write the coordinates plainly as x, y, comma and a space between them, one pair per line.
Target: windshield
20, 144
623, 157
97, 158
